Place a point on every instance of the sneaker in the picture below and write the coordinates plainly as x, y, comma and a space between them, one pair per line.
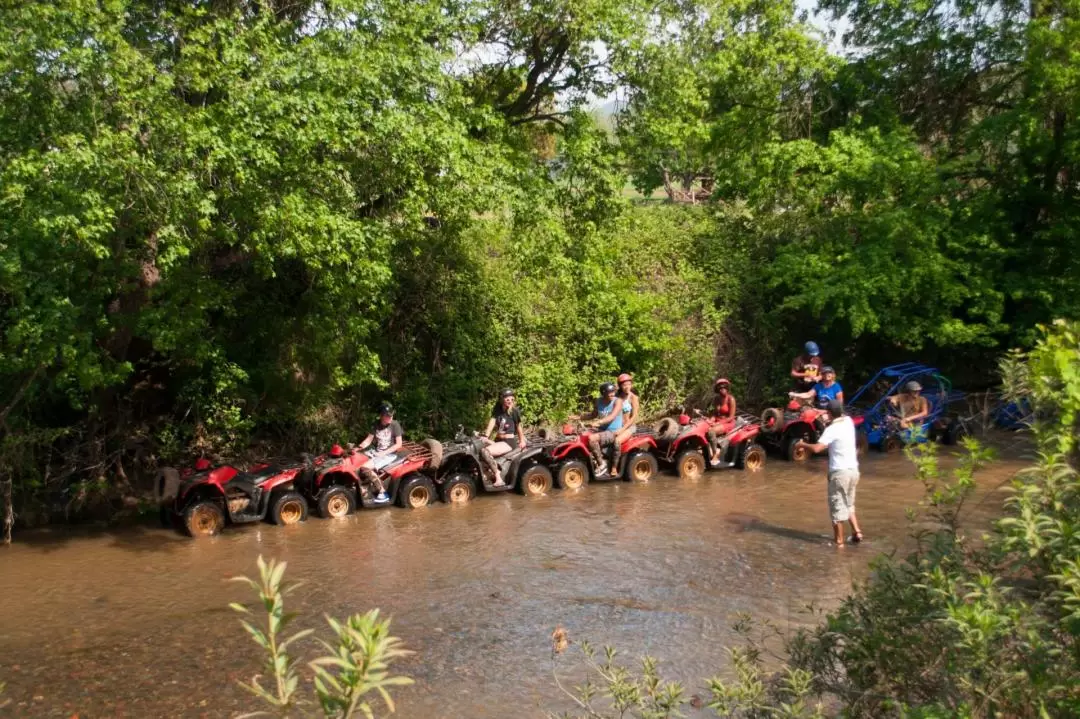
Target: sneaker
716, 462
499, 482
602, 469
381, 498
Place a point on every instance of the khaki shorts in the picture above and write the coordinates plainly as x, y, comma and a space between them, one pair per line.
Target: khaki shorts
842, 485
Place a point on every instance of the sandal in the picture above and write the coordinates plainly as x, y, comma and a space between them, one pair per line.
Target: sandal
856, 538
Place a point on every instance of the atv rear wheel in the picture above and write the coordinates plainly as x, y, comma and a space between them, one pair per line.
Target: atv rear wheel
204, 519
337, 502
751, 457
955, 432
772, 420
535, 481
690, 464
417, 491
640, 467
572, 475
458, 489
288, 508
795, 451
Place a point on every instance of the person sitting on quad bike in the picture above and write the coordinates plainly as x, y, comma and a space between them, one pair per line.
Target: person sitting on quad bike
806, 367
629, 408
824, 391
509, 433
912, 406
607, 419
386, 433
723, 410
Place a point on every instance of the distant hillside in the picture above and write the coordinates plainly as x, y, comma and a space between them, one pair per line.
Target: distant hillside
604, 114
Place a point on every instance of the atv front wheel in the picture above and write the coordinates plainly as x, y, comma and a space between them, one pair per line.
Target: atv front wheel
795, 451
640, 467
535, 481
337, 502
690, 464
572, 475
416, 492
955, 432
751, 457
458, 489
891, 444
204, 519
288, 508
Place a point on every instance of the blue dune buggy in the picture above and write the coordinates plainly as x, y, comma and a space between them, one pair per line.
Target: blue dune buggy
881, 423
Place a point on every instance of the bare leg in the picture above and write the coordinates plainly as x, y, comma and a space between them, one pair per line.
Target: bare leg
373, 479
838, 533
492, 465
856, 532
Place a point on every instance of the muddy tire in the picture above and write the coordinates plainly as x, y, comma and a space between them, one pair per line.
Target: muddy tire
751, 457
955, 432
772, 420
417, 492
337, 502
890, 444
640, 467
794, 451
861, 443
205, 518
573, 474
288, 508
668, 428
690, 464
535, 481
435, 447
547, 433
458, 489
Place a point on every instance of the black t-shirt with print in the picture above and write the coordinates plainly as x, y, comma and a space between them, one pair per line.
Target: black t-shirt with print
506, 422
385, 434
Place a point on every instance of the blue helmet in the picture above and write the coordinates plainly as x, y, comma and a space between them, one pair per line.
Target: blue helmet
812, 349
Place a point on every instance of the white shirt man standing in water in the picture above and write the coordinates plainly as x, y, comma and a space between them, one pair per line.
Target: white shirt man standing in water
839, 439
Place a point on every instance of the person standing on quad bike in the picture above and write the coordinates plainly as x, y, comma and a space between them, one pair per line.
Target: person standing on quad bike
913, 407
723, 410
607, 419
509, 433
806, 368
387, 436
824, 391
629, 409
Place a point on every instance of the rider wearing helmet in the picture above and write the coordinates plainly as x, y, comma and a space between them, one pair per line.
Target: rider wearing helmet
723, 409
824, 391
607, 416
509, 433
386, 433
629, 411
806, 367
913, 407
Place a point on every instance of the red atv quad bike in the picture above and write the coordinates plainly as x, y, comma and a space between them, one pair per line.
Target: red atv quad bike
202, 501
461, 475
572, 463
781, 430
337, 486
685, 444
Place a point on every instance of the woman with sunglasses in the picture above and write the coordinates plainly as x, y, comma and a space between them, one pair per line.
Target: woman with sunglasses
509, 434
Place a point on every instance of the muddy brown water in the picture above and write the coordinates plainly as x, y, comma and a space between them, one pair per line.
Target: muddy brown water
135, 623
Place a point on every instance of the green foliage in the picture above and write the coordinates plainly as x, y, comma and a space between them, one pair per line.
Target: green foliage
356, 665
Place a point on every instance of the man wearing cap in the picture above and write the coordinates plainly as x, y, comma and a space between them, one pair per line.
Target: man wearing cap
606, 418
806, 368
825, 391
387, 436
912, 406
839, 439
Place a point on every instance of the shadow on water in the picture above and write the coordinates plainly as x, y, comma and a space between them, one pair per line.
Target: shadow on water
750, 523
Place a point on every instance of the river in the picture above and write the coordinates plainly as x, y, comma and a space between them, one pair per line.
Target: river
134, 622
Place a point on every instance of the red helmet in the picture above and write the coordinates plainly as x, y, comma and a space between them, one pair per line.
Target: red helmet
336, 451
624, 377
722, 381
202, 463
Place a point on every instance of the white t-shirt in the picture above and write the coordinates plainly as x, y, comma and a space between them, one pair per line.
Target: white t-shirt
839, 437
